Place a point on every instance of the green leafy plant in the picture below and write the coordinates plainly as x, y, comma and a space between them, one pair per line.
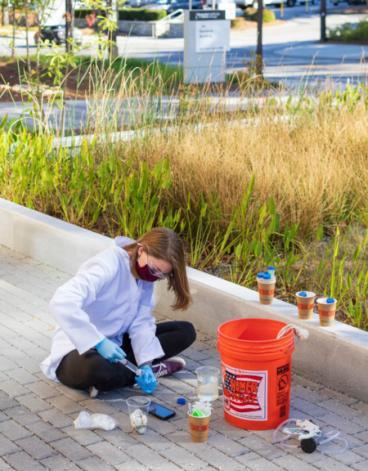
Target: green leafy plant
284, 184
350, 32
251, 14
140, 14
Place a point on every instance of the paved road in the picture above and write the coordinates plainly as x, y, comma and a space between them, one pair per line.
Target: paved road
292, 52
36, 415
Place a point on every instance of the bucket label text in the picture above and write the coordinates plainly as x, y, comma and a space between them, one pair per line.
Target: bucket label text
245, 393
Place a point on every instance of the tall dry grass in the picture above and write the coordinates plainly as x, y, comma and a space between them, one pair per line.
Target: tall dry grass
245, 189
314, 167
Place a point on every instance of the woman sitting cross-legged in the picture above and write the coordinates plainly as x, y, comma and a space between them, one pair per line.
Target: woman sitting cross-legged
105, 315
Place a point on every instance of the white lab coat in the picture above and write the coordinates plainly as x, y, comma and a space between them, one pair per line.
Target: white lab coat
103, 300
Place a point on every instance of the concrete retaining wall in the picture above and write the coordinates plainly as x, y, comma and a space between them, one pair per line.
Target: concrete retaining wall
176, 30
336, 357
47, 239
153, 29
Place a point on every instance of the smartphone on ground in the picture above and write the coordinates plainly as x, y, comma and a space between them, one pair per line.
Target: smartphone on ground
160, 411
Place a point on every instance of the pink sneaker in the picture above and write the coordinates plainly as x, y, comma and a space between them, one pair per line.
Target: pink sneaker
168, 367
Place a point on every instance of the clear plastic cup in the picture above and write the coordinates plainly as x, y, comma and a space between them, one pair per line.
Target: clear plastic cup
207, 383
138, 407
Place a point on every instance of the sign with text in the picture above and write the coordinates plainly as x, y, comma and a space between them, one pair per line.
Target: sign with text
203, 15
206, 40
212, 36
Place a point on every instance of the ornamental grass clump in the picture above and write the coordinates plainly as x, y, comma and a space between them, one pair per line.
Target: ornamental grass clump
285, 185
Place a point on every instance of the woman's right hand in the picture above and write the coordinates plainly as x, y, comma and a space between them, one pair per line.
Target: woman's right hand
147, 380
109, 350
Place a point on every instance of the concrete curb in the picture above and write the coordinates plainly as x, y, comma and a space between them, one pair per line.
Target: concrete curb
336, 357
47, 239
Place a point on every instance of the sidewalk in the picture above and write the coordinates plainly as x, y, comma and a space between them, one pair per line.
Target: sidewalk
36, 415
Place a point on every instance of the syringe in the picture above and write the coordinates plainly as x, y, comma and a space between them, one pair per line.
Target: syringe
131, 366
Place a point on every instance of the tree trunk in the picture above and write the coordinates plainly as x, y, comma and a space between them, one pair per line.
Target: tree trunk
26, 11
259, 52
68, 25
323, 12
14, 27
113, 11
4, 13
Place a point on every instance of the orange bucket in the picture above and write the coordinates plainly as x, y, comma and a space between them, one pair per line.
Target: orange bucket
256, 372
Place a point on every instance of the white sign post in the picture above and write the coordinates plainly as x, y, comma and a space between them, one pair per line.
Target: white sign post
206, 40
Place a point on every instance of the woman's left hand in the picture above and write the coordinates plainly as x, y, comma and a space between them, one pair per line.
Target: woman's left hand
147, 380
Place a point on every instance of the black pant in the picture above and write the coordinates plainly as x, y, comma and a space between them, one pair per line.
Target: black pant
91, 369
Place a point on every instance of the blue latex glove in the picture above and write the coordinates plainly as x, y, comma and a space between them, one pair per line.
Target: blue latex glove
109, 350
147, 380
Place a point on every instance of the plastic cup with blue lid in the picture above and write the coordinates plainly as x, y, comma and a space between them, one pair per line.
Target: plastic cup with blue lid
305, 304
327, 311
266, 287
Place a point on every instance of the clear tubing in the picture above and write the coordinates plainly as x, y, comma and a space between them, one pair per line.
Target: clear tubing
333, 435
131, 366
284, 438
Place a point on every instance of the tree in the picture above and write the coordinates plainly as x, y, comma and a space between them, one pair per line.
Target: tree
43, 11
323, 12
4, 12
259, 52
26, 12
108, 22
14, 5
68, 25
113, 13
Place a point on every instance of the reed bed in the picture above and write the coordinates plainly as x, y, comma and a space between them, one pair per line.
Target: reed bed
277, 184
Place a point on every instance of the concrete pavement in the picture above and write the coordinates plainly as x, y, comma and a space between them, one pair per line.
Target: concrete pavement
36, 415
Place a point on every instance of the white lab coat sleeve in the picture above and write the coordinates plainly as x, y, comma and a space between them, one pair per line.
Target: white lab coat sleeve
69, 300
142, 331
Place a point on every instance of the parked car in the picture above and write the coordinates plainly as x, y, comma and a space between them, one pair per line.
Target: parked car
350, 2
243, 4
292, 3
53, 25
228, 5
158, 5
314, 2
184, 5
168, 5
56, 34
141, 3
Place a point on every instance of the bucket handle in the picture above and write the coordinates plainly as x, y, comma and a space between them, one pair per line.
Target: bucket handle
301, 333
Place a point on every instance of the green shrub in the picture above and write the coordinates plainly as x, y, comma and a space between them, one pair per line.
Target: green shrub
140, 14
269, 16
251, 13
237, 23
350, 32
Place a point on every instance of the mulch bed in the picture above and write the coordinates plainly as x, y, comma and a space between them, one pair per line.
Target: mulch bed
12, 74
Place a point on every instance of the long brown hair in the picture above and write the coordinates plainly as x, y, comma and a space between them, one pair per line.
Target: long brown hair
165, 244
